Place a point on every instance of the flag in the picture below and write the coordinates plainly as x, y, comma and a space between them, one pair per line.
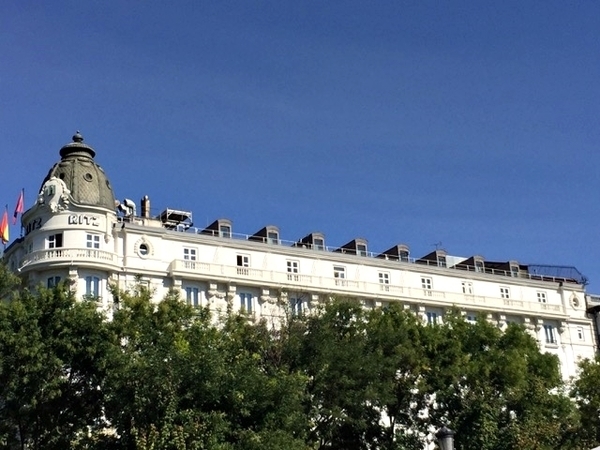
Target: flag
19, 208
4, 226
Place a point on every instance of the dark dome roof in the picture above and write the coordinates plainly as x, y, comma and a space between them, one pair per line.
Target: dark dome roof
85, 179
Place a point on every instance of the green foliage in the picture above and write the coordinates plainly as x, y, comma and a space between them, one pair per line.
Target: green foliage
498, 389
586, 393
52, 358
161, 375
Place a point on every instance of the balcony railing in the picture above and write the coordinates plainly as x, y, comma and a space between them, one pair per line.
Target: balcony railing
352, 288
69, 255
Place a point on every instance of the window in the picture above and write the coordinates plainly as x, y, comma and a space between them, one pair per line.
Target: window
92, 288
292, 269
144, 250
550, 332
403, 255
246, 302
479, 266
467, 287
225, 231
296, 306
426, 284
53, 282
189, 255
361, 250
318, 244
541, 296
192, 296
580, 334
471, 318
243, 262
273, 237
514, 271
384, 281
92, 241
504, 292
339, 273
56, 241
441, 261
432, 318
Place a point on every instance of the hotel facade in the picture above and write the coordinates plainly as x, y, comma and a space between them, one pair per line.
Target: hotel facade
76, 231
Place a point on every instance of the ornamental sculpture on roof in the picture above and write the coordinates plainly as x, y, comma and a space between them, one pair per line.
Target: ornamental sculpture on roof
54, 195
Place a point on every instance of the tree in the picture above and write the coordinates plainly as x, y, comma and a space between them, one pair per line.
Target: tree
331, 350
52, 351
586, 394
497, 388
144, 387
395, 341
179, 380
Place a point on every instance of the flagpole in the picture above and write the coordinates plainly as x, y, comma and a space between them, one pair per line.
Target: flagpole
21, 233
6, 225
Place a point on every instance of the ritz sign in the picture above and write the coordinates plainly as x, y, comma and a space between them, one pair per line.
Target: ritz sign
33, 225
83, 219
74, 219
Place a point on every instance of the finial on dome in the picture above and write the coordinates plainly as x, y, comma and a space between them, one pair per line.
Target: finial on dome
77, 148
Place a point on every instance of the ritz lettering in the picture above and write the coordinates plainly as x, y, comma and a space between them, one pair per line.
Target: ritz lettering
33, 225
83, 219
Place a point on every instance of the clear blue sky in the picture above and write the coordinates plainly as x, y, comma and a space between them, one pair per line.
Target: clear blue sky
474, 124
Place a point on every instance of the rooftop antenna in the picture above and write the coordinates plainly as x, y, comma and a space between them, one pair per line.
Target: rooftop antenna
437, 245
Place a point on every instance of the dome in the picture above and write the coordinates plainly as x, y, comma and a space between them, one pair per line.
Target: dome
85, 179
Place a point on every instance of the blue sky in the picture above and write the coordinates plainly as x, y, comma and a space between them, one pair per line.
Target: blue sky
474, 124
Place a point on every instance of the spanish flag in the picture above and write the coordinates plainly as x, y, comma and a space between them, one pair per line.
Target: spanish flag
4, 226
20, 206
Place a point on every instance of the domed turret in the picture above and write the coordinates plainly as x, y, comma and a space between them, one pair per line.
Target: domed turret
86, 181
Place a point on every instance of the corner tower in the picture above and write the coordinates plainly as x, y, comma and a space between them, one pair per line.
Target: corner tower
68, 232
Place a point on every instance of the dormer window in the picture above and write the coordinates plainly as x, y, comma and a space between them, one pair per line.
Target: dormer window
356, 246
315, 241
273, 237
319, 244
225, 231
220, 227
514, 270
479, 267
441, 261
403, 255
268, 234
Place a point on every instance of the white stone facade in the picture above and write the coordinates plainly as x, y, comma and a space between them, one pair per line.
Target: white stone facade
95, 248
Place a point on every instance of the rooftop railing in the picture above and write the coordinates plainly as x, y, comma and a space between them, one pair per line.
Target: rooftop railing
368, 254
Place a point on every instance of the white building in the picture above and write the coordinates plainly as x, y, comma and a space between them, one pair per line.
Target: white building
76, 232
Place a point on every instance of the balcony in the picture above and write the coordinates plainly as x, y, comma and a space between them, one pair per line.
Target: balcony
68, 256
352, 288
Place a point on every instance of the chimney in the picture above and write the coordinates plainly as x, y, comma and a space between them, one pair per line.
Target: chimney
145, 202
